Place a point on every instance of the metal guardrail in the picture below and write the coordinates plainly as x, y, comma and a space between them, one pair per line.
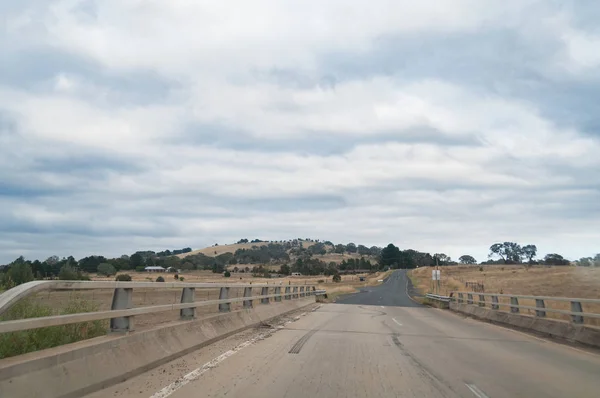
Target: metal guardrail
577, 314
121, 313
445, 299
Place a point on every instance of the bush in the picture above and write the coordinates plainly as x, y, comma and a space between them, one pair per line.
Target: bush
68, 273
18, 343
337, 278
181, 279
123, 278
227, 274
321, 281
481, 269
106, 269
176, 277
160, 279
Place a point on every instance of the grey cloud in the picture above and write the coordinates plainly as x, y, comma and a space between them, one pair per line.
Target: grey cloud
34, 69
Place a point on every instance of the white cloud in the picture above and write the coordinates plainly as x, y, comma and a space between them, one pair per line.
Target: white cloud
426, 162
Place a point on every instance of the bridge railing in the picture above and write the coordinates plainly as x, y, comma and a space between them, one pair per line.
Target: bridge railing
578, 310
122, 313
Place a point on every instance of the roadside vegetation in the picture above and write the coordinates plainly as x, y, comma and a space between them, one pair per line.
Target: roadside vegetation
17, 343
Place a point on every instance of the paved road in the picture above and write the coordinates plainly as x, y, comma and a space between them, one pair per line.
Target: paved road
391, 293
365, 350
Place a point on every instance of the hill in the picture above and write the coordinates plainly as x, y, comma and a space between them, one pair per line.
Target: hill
213, 251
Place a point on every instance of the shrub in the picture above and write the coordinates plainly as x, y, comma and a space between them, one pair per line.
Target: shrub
176, 277
181, 279
106, 269
68, 273
481, 269
337, 278
123, 278
321, 281
160, 279
18, 343
227, 274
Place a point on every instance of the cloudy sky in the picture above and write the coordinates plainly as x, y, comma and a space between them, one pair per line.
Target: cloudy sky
442, 126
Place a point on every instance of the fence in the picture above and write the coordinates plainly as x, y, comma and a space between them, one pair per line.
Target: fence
122, 313
538, 306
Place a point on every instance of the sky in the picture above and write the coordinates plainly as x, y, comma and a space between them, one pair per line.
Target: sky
441, 126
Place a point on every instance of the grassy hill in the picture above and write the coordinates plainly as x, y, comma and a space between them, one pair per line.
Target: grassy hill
213, 251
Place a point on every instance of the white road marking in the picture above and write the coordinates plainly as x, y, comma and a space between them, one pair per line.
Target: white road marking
398, 323
195, 374
476, 391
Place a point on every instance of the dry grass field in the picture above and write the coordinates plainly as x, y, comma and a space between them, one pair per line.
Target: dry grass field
569, 281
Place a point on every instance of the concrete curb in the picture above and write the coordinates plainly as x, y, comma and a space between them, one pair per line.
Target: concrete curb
561, 330
82, 368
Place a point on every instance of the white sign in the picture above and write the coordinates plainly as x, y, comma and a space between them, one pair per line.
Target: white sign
436, 275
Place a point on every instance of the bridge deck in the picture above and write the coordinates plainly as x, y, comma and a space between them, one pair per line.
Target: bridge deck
357, 350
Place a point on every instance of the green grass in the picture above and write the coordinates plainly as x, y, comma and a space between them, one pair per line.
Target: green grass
17, 343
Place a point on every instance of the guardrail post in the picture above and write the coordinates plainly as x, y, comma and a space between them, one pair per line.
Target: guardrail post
295, 292
514, 301
248, 293
278, 293
223, 295
481, 300
576, 307
460, 298
469, 298
264, 292
188, 295
539, 303
495, 305
122, 300
288, 296
301, 291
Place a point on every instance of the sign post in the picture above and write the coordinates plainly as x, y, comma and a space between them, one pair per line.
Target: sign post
436, 277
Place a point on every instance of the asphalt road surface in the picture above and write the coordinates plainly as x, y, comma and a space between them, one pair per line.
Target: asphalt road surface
392, 292
368, 348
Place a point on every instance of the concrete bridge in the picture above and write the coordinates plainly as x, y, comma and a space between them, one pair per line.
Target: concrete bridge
378, 342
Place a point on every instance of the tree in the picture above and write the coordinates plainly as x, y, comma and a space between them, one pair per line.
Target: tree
441, 259
529, 252
136, 261
596, 261
285, 269
390, 256
160, 279
106, 269
585, 262
336, 277
20, 271
510, 252
227, 274
218, 268
466, 259
555, 259
363, 250
340, 249
351, 248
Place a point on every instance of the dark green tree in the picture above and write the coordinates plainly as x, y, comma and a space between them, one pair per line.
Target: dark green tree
529, 252
20, 271
467, 259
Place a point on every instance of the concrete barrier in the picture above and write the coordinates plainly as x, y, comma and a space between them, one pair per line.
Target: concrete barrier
81, 368
567, 331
